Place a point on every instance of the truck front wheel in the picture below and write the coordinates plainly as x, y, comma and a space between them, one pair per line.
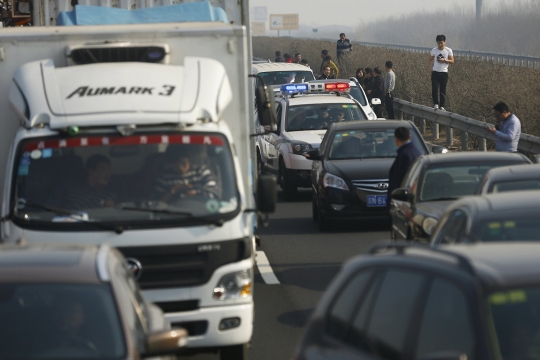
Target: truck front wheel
235, 352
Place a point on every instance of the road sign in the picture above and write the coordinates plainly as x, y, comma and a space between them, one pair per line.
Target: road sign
258, 28
284, 22
260, 13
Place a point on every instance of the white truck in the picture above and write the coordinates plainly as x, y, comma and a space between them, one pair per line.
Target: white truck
139, 136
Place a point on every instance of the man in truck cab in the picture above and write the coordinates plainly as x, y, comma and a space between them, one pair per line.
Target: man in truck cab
92, 193
185, 175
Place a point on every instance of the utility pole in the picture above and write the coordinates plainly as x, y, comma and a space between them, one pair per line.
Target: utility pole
478, 11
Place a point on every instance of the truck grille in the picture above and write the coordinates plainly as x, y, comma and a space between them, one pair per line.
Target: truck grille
173, 266
375, 185
92, 55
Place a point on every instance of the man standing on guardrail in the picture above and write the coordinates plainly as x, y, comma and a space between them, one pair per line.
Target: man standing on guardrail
441, 56
507, 128
389, 84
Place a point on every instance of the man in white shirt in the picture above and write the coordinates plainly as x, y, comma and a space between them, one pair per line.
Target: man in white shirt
440, 57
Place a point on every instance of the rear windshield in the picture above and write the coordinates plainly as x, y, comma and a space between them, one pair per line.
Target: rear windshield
508, 228
452, 181
286, 77
518, 185
367, 143
321, 116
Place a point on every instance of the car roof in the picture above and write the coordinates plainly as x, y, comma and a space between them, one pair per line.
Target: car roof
309, 99
516, 202
271, 67
372, 124
473, 156
49, 263
514, 172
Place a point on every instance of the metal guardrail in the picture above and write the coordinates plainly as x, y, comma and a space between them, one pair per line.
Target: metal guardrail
527, 143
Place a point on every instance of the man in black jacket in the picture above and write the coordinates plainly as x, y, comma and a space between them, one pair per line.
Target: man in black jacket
407, 153
377, 90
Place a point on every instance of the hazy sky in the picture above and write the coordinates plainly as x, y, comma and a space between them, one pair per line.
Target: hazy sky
351, 12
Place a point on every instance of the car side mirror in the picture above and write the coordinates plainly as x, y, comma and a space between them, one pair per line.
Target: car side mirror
402, 195
444, 355
375, 101
264, 101
165, 342
437, 149
313, 155
266, 194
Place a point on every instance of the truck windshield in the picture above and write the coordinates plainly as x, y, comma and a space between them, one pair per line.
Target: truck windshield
68, 321
516, 317
137, 180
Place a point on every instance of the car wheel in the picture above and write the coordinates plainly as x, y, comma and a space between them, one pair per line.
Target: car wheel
323, 223
236, 352
314, 209
289, 189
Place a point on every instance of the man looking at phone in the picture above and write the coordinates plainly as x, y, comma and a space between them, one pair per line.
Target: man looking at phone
507, 128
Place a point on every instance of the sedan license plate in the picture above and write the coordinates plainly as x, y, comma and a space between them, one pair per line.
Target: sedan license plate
376, 200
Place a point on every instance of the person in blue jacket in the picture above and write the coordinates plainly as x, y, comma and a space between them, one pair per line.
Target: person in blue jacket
407, 153
507, 129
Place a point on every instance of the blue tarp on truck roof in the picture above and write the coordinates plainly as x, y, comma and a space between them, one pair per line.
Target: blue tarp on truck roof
99, 15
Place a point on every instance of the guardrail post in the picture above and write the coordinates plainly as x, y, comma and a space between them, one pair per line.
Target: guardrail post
464, 140
422, 126
449, 136
482, 144
435, 130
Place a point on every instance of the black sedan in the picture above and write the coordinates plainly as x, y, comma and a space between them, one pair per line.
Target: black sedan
511, 216
434, 182
350, 170
510, 178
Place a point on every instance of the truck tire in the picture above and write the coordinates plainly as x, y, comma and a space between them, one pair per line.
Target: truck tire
289, 189
235, 352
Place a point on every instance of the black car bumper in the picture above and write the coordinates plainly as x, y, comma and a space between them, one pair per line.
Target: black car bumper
338, 204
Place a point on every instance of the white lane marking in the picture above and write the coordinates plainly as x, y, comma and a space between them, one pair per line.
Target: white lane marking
265, 269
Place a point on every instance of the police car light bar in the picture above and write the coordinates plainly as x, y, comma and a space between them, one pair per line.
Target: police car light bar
341, 87
289, 89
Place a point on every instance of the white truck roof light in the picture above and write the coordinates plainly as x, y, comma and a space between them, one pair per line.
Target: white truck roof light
289, 89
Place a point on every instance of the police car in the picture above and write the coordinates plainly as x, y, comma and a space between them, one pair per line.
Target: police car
304, 113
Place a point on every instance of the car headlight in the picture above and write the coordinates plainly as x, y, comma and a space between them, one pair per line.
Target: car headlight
334, 181
429, 225
300, 147
233, 286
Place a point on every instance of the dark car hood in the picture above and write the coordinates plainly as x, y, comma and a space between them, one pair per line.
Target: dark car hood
365, 169
434, 209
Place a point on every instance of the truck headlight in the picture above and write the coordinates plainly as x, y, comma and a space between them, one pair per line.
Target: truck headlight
429, 225
334, 181
233, 286
300, 147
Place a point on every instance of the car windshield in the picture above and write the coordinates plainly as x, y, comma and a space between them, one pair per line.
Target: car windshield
367, 143
518, 185
516, 317
358, 95
451, 181
321, 116
286, 77
507, 228
138, 180
59, 321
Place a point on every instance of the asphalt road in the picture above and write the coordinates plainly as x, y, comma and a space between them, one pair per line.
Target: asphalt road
304, 261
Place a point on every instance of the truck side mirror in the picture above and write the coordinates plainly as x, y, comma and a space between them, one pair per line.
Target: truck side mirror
266, 194
165, 342
401, 195
264, 101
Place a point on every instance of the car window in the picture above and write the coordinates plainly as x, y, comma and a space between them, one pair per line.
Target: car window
508, 228
452, 181
358, 95
455, 227
346, 301
286, 77
446, 323
382, 323
515, 186
321, 116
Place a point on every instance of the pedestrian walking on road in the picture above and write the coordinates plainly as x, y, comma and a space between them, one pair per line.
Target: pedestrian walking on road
407, 153
328, 62
298, 58
507, 128
441, 56
344, 46
389, 85
324, 54
278, 57
327, 74
377, 91
360, 77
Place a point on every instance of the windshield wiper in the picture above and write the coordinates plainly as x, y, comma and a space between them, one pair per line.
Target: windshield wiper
442, 199
116, 229
217, 222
